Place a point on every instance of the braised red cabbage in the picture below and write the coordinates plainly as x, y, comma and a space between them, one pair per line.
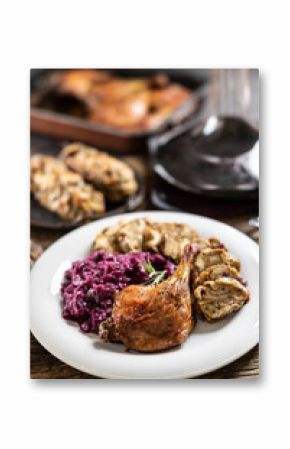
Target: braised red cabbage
89, 285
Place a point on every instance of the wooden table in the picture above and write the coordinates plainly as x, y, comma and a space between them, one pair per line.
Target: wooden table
46, 366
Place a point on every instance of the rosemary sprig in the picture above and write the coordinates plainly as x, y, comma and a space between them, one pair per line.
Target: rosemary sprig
159, 276
149, 267
155, 277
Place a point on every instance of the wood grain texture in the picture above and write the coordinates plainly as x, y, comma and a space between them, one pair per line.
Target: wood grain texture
45, 366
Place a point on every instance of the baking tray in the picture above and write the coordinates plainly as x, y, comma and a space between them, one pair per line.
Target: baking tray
63, 126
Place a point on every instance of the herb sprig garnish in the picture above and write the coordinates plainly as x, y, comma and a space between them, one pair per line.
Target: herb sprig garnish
155, 277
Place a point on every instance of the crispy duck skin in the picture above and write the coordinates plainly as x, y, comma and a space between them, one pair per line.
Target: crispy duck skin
134, 105
125, 114
162, 103
220, 298
79, 82
117, 89
62, 191
110, 175
150, 319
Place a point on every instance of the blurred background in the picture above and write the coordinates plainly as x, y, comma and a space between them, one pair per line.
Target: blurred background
191, 133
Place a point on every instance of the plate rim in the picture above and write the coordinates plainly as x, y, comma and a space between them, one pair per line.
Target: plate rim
195, 373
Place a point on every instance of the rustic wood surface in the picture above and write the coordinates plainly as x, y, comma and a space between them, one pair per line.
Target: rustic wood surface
45, 366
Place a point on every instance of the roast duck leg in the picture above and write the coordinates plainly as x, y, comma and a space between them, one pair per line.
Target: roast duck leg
149, 319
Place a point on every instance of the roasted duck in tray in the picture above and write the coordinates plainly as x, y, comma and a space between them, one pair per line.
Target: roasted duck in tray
126, 104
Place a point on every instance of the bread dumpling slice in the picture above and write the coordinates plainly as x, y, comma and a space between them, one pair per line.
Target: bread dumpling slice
214, 272
219, 298
214, 256
112, 176
214, 242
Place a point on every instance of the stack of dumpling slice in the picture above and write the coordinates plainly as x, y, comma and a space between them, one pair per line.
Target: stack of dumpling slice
219, 289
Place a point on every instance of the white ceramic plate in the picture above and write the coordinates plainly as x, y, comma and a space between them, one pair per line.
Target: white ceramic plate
210, 346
